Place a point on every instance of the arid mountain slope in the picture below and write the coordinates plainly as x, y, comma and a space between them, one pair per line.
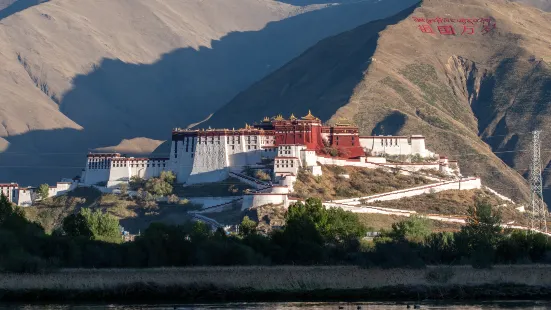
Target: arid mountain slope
80, 75
541, 4
460, 90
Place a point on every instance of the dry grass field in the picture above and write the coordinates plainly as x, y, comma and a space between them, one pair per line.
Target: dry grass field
288, 278
362, 182
378, 222
455, 202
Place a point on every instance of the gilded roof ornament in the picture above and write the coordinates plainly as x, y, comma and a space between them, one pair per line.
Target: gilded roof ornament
279, 117
266, 119
292, 117
343, 121
309, 116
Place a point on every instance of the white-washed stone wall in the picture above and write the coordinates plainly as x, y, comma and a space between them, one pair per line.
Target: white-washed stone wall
286, 165
119, 172
387, 145
26, 197
257, 200
289, 181
309, 158
181, 158
210, 162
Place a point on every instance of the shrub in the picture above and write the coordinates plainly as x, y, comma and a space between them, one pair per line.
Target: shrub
414, 229
173, 199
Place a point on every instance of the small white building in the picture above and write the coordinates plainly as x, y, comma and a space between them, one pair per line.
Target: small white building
396, 145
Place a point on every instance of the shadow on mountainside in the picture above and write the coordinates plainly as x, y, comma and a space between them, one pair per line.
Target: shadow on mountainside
119, 100
18, 6
510, 106
321, 80
390, 125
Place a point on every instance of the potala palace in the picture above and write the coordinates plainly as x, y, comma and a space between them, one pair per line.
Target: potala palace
279, 146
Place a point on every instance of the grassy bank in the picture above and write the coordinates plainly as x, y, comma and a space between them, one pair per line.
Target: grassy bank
278, 283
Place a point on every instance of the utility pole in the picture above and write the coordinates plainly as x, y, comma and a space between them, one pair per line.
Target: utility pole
538, 210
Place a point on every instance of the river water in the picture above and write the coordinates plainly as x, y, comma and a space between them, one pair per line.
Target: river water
517, 305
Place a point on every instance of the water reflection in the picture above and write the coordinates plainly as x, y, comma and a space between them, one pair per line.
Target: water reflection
517, 305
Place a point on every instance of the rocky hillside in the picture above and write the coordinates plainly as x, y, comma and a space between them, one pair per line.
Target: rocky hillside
541, 4
472, 92
80, 75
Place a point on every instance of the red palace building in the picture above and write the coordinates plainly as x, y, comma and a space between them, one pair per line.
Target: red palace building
310, 132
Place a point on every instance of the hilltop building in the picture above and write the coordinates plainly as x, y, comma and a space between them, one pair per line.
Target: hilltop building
210, 155
278, 145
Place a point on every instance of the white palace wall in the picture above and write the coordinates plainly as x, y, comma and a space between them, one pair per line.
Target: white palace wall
181, 158
26, 197
396, 145
210, 162
257, 200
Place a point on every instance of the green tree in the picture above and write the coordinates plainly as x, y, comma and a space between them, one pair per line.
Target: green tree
102, 225
6, 208
167, 176
414, 229
76, 225
481, 235
247, 226
158, 187
43, 191
333, 224
136, 183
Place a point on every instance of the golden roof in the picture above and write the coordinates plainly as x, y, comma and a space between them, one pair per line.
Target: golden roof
309, 117
343, 121
266, 119
279, 117
292, 117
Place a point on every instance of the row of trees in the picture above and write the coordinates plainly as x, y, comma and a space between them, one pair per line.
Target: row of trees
482, 242
312, 235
